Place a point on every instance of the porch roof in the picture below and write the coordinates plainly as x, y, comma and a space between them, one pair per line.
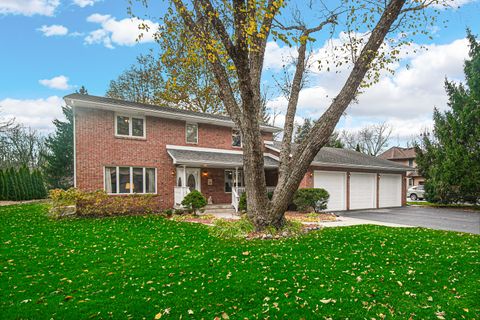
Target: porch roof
207, 157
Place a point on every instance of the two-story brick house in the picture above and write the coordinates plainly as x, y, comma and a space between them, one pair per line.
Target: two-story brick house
125, 148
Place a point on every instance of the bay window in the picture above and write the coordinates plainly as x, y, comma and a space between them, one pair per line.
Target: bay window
128, 180
130, 126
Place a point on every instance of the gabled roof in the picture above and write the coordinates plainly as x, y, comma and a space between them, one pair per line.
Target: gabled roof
397, 153
164, 111
345, 158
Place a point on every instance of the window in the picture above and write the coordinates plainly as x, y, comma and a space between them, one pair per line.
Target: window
236, 138
127, 126
230, 179
410, 162
192, 132
124, 180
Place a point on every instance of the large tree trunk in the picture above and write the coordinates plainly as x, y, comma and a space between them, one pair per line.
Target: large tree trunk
248, 62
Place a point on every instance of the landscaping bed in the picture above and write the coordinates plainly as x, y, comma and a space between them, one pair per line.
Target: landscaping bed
152, 267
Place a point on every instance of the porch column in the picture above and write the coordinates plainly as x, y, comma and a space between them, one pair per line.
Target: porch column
184, 180
236, 179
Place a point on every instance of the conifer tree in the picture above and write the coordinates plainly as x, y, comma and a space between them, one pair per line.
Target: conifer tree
12, 185
2, 186
449, 159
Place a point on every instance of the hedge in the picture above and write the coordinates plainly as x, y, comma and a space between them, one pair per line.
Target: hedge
99, 203
21, 184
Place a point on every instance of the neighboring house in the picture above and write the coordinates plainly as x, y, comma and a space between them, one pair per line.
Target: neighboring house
406, 157
126, 148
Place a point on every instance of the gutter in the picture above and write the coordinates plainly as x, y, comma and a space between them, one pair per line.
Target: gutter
160, 114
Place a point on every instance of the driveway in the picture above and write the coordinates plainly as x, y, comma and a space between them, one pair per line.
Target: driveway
434, 218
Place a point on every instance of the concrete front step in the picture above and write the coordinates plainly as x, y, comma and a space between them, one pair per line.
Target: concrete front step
219, 206
217, 211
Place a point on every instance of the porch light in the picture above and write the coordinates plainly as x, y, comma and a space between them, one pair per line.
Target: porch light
205, 173
173, 172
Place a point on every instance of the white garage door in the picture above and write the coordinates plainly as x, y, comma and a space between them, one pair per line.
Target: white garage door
363, 191
390, 190
335, 184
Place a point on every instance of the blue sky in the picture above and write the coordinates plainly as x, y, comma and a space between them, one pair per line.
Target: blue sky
51, 47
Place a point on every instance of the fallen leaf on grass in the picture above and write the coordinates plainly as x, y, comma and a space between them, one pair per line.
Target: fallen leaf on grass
158, 316
328, 301
246, 253
68, 298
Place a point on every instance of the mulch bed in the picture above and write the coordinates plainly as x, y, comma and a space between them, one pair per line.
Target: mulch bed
306, 217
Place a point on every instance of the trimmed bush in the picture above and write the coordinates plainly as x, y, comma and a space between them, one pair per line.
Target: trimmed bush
99, 203
194, 201
311, 198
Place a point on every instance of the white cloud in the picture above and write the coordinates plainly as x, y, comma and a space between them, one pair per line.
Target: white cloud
452, 3
405, 99
84, 3
36, 113
29, 7
53, 30
59, 82
123, 32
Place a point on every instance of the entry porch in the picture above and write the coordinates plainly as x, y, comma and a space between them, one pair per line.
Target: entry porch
218, 185
216, 173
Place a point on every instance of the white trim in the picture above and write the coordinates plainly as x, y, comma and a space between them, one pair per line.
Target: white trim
271, 148
130, 126
268, 142
191, 148
159, 113
117, 177
272, 156
353, 166
198, 177
75, 150
171, 156
186, 135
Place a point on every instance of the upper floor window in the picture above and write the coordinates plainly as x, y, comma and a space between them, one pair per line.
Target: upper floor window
410, 162
236, 138
191, 132
128, 126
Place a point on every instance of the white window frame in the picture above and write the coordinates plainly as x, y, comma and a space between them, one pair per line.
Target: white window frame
241, 138
131, 180
130, 126
186, 135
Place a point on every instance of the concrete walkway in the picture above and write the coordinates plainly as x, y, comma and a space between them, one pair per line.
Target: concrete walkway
340, 222
347, 221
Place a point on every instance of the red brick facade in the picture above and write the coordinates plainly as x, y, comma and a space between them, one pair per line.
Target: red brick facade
97, 146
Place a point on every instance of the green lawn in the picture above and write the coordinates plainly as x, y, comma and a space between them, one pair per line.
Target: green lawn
136, 267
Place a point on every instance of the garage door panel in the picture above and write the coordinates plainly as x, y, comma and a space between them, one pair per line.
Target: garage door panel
390, 193
335, 184
363, 190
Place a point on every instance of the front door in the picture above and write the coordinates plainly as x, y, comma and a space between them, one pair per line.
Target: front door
193, 178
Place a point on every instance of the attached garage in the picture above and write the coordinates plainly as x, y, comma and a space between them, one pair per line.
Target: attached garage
354, 180
390, 190
363, 190
336, 185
